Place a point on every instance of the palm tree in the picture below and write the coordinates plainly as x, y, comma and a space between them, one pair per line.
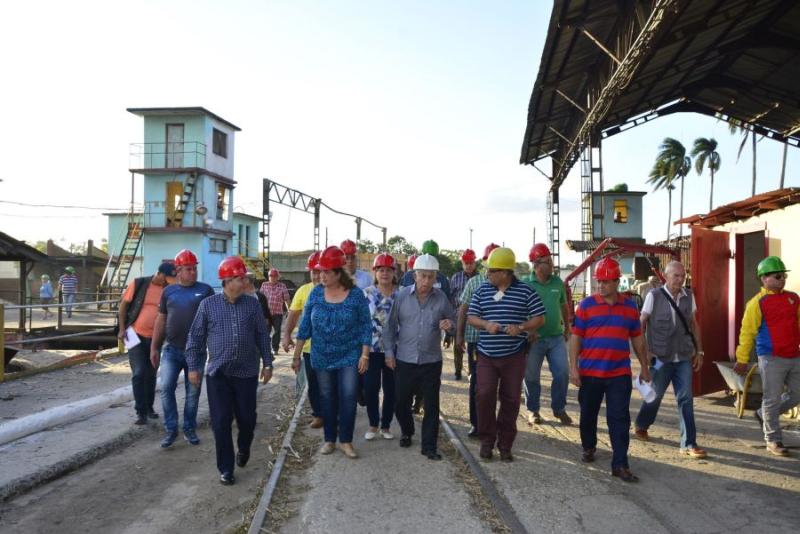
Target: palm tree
734, 126
705, 149
671, 164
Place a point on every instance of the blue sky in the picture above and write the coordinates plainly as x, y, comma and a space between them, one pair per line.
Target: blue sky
410, 114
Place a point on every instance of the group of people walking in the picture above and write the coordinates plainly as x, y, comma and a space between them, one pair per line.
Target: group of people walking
359, 334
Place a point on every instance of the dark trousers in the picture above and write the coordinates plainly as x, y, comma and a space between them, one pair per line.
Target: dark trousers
313, 386
143, 377
472, 360
499, 378
617, 392
458, 359
231, 398
277, 320
378, 375
425, 379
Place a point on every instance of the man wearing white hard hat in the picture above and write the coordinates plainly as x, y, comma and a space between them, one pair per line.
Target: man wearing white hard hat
412, 344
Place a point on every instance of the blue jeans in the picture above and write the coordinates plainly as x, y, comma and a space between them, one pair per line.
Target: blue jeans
143, 377
617, 392
377, 374
680, 374
69, 300
338, 392
554, 348
172, 363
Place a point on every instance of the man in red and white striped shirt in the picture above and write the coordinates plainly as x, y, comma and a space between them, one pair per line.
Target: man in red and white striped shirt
279, 301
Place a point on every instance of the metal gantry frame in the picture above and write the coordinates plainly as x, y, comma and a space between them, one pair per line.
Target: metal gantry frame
273, 192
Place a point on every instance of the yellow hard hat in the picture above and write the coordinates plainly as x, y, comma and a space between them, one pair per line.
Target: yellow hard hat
502, 258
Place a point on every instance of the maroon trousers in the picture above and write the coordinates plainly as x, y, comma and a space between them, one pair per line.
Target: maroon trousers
499, 377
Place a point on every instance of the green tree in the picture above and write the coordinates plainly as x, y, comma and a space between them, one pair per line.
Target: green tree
671, 164
619, 188
398, 244
365, 245
705, 150
522, 268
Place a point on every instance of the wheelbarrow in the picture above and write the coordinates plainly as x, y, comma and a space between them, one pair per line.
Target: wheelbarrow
739, 385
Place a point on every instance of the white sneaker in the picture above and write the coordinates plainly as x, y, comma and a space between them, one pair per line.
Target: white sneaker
386, 434
370, 435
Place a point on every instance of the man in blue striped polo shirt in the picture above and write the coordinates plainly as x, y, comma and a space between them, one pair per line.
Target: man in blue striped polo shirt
505, 310
68, 287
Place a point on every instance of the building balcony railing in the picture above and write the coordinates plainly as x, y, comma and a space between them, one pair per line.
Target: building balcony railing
173, 155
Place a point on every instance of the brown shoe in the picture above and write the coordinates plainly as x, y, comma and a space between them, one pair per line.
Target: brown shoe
777, 448
588, 456
316, 422
534, 418
694, 452
625, 474
641, 434
327, 448
506, 456
486, 452
347, 449
564, 417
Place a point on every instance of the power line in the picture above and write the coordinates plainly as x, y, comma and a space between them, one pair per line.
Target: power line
59, 206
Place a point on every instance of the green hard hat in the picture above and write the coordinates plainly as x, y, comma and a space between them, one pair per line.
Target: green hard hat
430, 247
69, 269
771, 264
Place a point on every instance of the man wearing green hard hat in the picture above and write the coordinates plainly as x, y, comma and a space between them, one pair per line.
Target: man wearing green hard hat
771, 322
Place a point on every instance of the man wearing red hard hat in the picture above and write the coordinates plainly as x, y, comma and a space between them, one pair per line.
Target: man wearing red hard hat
176, 311
457, 282
605, 326
279, 300
231, 328
549, 341
362, 278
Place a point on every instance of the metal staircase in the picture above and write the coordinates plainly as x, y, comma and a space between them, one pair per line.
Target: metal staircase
188, 189
127, 256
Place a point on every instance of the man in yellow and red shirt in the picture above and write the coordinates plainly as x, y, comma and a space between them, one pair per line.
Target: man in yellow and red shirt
771, 321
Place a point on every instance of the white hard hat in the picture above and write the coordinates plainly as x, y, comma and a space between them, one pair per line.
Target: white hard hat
426, 262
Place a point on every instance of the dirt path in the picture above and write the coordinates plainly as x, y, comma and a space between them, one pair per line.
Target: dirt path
142, 488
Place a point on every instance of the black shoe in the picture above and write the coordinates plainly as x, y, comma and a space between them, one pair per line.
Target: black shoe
191, 437
152, 415
458, 376
242, 458
405, 441
486, 452
506, 456
588, 456
432, 455
473, 432
169, 439
625, 474
140, 420
227, 479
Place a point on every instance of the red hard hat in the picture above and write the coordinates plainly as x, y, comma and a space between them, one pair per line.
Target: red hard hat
383, 260
469, 256
331, 258
231, 267
348, 246
489, 248
411, 260
185, 257
274, 271
539, 250
313, 260
607, 269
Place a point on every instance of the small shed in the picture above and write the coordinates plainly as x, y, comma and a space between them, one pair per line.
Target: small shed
18, 259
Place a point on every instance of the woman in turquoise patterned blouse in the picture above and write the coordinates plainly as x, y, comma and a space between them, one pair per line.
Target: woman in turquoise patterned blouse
380, 297
336, 319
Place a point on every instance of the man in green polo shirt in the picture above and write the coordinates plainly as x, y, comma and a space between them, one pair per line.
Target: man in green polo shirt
549, 341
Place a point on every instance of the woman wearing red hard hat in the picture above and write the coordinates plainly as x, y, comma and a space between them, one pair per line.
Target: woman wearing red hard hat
337, 321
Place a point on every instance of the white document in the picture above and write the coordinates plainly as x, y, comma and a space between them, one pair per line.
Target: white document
131, 338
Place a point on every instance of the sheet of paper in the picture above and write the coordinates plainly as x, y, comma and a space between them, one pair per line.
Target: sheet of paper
131, 338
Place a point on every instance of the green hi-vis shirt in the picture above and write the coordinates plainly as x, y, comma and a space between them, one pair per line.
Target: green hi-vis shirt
554, 296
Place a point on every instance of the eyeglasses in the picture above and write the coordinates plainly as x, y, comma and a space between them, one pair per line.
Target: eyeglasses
493, 271
779, 276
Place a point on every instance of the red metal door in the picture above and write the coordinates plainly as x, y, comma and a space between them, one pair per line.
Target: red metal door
710, 258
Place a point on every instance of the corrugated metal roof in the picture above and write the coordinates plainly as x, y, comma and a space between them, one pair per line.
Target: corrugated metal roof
744, 209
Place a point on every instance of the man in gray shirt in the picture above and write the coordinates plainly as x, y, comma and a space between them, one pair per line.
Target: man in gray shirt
412, 343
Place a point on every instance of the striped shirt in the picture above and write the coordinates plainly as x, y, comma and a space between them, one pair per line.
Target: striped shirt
277, 295
606, 331
514, 306
68, 283
471, 334
457, 283
235, 335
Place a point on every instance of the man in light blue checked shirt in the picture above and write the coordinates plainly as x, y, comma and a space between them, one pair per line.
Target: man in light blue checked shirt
231, 326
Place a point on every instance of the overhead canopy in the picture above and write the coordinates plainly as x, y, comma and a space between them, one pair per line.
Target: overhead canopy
608, 65
14, 250
744, 209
